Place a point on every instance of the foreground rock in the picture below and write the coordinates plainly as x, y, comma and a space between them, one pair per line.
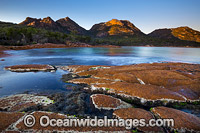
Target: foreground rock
142, 94
183, 121
137, 113
19, 125
21, 101
6, 119
105, 102
146, 84
32, 67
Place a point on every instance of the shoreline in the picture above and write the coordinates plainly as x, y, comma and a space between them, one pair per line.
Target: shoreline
153, 94
47, 45
70, 45
139, 88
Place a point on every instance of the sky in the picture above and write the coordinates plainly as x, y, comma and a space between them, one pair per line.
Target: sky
147, 15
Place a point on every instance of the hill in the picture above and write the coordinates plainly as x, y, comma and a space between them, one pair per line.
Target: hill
113, 32
180, 33
115, 27
65, 25
71, 26
20, 34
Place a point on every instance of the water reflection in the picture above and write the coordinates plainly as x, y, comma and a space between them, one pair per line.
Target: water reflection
40, 82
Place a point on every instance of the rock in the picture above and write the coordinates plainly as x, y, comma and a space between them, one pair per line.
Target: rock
142, 94
38, 128
115, 27
105, 102
82, 68
6, 119
89, 81
69, 76
65, 25
22, 101
2, 59
182, 33
183, 122
157, 83
73, 103
29, 68
70, 25
190, 91
137, 113
162, 78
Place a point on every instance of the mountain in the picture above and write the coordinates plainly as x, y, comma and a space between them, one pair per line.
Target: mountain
115, 27
65, 25
113, 32
180, 33
45, 23
70, 25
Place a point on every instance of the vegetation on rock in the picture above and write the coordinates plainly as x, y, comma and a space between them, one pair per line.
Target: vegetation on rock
12, 34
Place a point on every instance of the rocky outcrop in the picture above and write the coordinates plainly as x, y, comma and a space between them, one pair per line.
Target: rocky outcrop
183, 122
46, 23
31, 67
65, 25
105, 102
21, 101
7, 119
71, 26
146, 84
180, 33
137, 113
115, 27
19, 125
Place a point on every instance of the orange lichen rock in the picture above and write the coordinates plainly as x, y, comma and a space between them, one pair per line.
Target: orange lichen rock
30, 67
111, 103
137, 113
183, 121
167, 82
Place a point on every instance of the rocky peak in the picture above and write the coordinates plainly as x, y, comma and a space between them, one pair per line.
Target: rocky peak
66, 22
114, 22
29, 20
71, 25
181, 33
115, 27
67, 19
47, 20
45, 23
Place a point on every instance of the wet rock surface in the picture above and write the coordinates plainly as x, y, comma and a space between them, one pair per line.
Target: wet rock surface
183, 121
31, 67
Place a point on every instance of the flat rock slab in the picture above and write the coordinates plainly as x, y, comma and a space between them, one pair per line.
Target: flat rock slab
105, 102
143, 92
137, 113
19, 126
18, 102
6, 119
30, 67
90, 81
183, 121
168, 82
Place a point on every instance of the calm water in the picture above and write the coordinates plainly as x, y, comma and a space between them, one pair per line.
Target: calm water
12, 83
